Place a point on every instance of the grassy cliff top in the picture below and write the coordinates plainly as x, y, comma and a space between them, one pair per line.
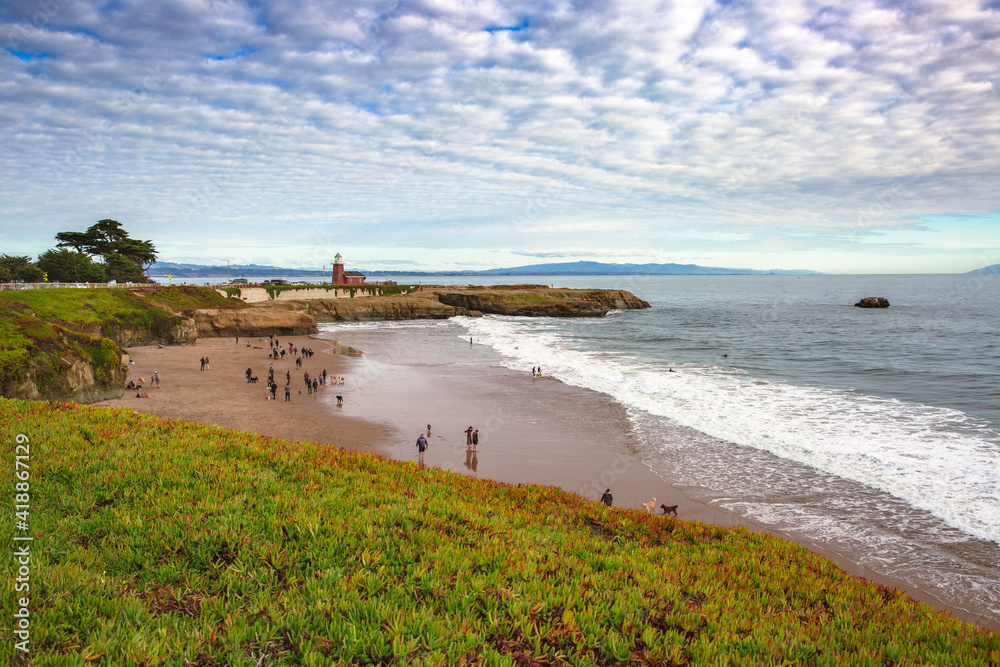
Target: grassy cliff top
94, 307
42, 331
167, 542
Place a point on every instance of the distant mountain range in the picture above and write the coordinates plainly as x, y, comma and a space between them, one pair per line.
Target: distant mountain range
555, 269
233, 271
601, 269
993, 268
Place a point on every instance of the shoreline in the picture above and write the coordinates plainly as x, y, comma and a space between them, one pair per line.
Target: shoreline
532, 430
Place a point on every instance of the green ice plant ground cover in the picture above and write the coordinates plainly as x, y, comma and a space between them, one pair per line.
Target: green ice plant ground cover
166, 542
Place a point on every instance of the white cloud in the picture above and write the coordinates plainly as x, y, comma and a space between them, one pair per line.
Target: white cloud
495, 125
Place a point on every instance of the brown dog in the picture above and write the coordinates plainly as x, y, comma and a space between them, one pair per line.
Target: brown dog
669, 510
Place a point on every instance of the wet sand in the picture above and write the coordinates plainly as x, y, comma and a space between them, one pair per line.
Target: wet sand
531, 430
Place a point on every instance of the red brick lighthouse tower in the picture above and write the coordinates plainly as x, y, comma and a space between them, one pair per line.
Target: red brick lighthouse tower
338, 270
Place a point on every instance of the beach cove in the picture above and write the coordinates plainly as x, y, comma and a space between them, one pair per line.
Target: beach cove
532, 430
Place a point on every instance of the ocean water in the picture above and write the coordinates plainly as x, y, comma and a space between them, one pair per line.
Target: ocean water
872, 433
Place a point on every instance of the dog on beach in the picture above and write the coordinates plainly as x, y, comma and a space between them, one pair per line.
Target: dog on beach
340, 400
669, 510
649, 506
253, 380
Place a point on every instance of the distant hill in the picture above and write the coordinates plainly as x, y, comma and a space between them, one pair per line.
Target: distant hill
600, 268
554, 269
234, 271
993, 268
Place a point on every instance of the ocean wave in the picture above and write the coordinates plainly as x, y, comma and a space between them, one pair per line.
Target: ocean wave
936, 459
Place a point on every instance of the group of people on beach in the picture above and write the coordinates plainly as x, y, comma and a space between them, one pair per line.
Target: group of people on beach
536, 371
278, 352
312, 384
204, 363
137, 385
471, 441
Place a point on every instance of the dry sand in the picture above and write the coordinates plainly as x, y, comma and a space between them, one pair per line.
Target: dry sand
531, 431
222, 396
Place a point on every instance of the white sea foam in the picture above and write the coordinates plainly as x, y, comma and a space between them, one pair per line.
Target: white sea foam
935, 459
327, 327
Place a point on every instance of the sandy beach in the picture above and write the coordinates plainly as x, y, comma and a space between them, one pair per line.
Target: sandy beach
222, 396
531, 430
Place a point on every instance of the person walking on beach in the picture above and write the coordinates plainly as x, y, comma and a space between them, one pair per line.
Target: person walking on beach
532, 371
475, 440
421, 446
206, 363
203, 363
606, 498
156, 378
288, 393
468, 437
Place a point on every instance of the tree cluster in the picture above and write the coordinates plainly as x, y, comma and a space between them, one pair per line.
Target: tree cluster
103, 253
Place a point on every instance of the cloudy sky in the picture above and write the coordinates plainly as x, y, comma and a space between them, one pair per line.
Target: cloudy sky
840, 136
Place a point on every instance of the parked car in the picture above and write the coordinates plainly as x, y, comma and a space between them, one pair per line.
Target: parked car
238, 281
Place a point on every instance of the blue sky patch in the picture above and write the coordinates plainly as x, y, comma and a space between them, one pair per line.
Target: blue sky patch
26, 56
524, 25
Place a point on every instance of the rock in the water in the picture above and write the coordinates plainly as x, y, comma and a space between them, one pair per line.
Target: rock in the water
873, 302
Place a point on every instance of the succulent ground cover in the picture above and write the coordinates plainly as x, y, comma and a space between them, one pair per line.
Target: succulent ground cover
166, 542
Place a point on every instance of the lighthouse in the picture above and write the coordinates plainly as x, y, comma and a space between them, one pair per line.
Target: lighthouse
338, 269
341, 277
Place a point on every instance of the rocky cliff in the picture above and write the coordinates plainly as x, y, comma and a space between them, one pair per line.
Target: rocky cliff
443, 302
57, 364
262, 320
543, 302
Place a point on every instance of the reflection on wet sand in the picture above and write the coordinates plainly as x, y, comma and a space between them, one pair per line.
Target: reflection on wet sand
471, 460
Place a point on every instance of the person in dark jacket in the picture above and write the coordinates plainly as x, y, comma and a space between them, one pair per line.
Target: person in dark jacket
606, 498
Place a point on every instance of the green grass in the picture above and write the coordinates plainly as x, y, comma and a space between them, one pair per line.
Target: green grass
166, 542
182, 298
95, 311
42, 330
29, 344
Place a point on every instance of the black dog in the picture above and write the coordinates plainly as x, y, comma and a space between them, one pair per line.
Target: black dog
253, 380
669, 510
340, 400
